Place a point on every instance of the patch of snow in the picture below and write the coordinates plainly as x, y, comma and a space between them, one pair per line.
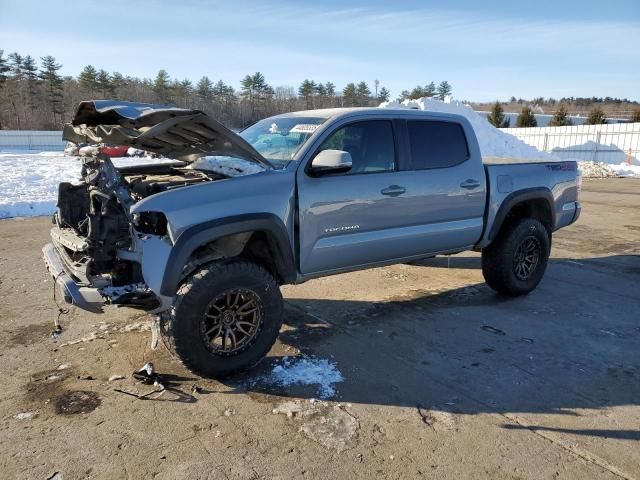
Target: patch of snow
29, 181
604, 170
626, 170
306, 371
88, 151
493, 142
228, 166
23, 415
596, 170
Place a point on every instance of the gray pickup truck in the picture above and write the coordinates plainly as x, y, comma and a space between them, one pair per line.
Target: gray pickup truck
204, 241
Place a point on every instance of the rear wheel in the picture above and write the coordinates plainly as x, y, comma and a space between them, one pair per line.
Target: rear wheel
226, 317
516, 261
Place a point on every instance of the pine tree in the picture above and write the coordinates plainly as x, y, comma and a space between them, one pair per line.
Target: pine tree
15, 65
349, 95
305, 91
403, 95
204, 91
88, 79
31, 77
444, 90
161, 86
430, 89
331, 89
497, 117
363, 93
526, 118
417, 92
118, 82
384, 94
103, 83
223, 91
596, 117
635, 116
53, 83
4, 69
560, 117
255, 89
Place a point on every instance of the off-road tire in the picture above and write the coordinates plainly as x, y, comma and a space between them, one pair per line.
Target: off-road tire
181, 325
498, 259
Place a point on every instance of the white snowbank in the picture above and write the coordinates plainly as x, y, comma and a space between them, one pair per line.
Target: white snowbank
29, 181
603, 170
493, 142
305, 371
229, 166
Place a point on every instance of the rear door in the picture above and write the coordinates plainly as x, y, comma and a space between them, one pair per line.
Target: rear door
447, 183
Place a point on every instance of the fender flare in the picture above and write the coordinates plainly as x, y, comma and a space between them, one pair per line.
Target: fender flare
201, 234
520, 196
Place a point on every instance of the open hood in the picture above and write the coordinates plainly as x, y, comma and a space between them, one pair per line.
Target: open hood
172, 132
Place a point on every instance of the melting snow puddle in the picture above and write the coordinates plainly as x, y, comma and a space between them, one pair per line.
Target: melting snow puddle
304, 371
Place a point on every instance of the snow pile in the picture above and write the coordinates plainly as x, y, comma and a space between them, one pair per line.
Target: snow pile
228, 166
29, 181
305, 371
493, 142
596, 170
603, 170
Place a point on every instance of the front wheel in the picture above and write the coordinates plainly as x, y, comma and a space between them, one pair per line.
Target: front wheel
226, 317
517, 259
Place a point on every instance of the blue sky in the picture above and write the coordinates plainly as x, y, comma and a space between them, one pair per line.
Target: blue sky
485, 49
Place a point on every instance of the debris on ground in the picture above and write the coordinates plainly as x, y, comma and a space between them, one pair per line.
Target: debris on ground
304, 371
24, 415
438, 418
107, 329
490, 329
113, 378
147, 375
332, 426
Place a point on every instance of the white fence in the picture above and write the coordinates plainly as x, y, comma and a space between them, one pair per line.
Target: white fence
31, 140
610, 143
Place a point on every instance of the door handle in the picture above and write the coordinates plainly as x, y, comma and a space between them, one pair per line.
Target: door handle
393, 190
470, 184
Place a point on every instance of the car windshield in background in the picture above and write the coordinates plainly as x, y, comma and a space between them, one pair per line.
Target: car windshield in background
279, 139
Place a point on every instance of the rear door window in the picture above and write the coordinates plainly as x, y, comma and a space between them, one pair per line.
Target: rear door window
436, 144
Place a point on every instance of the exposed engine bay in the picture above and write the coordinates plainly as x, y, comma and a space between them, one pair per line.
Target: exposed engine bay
94, 224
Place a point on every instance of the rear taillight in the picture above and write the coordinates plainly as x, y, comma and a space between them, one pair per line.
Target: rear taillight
579, 181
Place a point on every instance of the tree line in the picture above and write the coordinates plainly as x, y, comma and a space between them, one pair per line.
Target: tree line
36, 96
560, 118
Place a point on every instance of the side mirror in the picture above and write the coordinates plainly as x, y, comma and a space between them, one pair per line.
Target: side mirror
331, 161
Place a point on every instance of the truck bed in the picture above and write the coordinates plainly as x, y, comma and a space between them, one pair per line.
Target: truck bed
511, 176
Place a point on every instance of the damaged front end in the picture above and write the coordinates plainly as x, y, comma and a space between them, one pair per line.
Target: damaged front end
102, 253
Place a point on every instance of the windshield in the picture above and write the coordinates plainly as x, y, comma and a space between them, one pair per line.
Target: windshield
279, 139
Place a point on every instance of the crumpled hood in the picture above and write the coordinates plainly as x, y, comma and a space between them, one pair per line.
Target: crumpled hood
172, 132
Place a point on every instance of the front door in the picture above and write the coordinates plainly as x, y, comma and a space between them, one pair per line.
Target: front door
347, 219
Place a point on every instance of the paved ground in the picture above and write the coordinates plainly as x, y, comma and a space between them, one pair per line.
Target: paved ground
442, 378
